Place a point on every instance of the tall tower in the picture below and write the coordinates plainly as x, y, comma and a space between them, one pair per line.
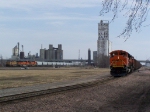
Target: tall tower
103, 38
18, 49
89, 57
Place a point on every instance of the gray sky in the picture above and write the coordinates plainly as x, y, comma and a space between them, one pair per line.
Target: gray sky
72, 23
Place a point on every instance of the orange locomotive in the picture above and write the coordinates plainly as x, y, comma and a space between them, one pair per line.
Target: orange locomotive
122, 63
21, 63
26, 63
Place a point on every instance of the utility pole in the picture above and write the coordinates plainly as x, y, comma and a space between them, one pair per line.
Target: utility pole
79, 55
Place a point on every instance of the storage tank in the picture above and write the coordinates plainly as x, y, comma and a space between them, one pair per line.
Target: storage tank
51, 52
21, 55
47, 54
59, 46
42, 53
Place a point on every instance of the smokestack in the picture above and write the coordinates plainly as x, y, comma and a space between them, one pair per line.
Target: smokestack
18, 49
89, 57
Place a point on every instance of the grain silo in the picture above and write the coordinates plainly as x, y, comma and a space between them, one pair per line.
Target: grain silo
51, 52
59, 52
103, 38
47, 54
42, 53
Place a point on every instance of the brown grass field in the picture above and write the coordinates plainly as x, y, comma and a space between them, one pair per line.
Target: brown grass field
10, 78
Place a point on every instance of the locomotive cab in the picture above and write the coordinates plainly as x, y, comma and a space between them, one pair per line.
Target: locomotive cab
118, 63
118, 59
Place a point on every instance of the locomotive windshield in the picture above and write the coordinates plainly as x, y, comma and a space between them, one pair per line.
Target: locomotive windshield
114, 54
122, 53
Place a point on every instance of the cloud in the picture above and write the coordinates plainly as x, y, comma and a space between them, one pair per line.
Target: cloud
47, 10
25, 4
54, 19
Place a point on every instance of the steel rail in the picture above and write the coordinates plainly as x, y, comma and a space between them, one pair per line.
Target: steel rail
55, 90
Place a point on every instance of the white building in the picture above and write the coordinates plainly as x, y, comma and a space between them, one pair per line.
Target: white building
15, 53
103, 43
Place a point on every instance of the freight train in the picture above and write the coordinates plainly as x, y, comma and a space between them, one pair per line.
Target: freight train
13, 63
122, 63
20, 63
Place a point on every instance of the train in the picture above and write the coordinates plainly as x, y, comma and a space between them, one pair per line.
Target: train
20, 63
122, 63
14, 63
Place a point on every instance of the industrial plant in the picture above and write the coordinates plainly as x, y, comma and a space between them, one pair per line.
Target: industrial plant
50, 54
55, 54
17, 53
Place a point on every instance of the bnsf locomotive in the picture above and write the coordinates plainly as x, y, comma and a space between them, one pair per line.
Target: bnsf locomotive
122, 63
20, 63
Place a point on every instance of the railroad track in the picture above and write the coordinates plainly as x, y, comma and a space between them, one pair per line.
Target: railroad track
55, 90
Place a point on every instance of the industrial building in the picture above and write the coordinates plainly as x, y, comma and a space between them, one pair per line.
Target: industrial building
15, 52
94, 56
104, 45
52, 53
18, 54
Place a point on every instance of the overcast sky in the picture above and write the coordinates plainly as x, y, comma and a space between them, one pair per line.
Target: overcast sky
72, 23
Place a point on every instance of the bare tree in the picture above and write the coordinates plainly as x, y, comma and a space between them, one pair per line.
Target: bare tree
136, 12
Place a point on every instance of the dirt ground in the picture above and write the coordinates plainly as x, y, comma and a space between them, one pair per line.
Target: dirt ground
16, 77
125, 94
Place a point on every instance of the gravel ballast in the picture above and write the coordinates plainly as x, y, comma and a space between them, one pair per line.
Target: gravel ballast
130, 93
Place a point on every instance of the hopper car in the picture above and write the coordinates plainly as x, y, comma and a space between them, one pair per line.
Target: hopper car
122, 63
20, 63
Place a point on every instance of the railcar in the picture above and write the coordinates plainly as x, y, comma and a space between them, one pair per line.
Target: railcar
122, 63
32, 63
11, 63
